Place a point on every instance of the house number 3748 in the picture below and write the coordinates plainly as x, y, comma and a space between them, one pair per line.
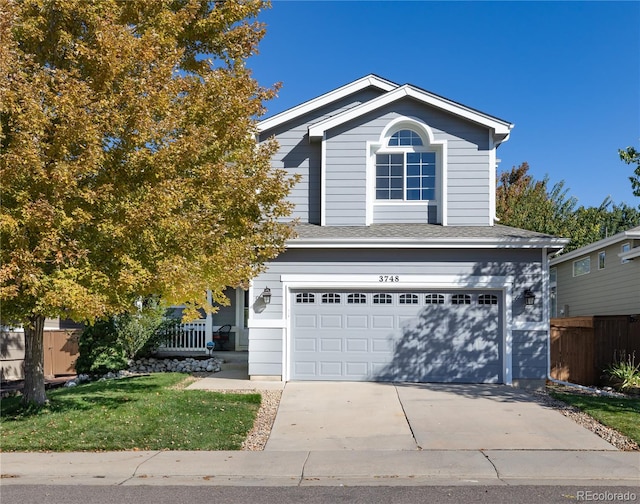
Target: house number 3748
389, 278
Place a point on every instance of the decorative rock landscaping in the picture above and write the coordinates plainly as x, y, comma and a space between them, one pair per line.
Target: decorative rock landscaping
154, 365
187, 365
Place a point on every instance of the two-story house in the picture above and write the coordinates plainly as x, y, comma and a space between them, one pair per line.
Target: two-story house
602, 278
399, 271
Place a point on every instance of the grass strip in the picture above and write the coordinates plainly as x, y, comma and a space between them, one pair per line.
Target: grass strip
141, 413
619, 413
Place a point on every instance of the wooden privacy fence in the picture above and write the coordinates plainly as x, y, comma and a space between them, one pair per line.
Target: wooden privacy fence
582, 347
60, 353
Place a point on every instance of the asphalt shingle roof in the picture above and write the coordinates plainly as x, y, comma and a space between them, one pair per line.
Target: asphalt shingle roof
422, 232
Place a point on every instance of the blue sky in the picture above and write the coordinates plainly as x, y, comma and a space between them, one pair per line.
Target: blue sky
567, 74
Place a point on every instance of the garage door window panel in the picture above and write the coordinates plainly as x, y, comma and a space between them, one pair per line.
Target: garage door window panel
487, 299
461, 299
382, 299
434, 299
305, 298
408, 299
331, 298
356, 298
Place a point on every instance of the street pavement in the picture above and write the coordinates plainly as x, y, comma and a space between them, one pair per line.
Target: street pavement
332, 434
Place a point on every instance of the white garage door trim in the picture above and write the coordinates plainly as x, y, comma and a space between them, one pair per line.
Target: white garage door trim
400, 282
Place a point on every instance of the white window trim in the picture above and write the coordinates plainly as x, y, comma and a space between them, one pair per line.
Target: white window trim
573, 266
625, 260
430, 144
602, 264
550, 285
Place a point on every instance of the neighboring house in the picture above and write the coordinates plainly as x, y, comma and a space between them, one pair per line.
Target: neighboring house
600, 279
399, 272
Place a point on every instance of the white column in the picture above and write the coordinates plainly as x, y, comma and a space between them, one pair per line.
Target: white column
208, 324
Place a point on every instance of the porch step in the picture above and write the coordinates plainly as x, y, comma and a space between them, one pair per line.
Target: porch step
225, 366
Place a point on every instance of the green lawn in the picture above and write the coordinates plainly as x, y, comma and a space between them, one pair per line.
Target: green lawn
621, 414
141, 413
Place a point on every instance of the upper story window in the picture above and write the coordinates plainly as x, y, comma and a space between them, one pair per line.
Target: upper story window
626, 247
581, 266
405, 137
405, 171
601, 259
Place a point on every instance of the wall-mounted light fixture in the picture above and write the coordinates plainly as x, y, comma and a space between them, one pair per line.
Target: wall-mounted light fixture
529, 297
266, 295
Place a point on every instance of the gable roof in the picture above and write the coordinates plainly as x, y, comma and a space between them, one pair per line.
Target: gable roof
367, 81
500, 127
629, 234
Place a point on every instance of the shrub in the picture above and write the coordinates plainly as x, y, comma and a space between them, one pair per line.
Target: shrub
624, 371
142, 331
100, 351
108, 345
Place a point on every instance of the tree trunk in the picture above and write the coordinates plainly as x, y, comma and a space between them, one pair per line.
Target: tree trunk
34, 391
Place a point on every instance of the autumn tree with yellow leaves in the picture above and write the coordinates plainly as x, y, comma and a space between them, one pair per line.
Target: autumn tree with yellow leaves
128, 164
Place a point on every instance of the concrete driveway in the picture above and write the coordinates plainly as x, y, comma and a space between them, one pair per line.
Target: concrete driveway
384, 416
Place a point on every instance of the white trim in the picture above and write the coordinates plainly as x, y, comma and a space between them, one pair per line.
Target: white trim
428, 242
501, 129
240, 319
430, 144
208, 324
504, 283
259, 323
370, 180
529, 326
322, 100
409, 280
493, 168
323, 181
443, 205
507, 335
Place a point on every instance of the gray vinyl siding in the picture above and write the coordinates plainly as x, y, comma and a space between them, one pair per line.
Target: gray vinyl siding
265, 353
529, 354
383, 214
299, 157
524, 265
468, 177
614, 290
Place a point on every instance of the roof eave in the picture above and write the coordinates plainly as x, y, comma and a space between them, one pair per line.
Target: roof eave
461, 243
501, 129
370, 80
630, 234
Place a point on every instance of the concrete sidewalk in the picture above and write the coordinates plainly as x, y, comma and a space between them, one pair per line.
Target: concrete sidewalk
324, 468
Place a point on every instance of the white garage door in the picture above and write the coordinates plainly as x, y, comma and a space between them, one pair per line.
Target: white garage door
413, 336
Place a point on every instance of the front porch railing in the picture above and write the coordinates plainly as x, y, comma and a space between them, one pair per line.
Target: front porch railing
187, 336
